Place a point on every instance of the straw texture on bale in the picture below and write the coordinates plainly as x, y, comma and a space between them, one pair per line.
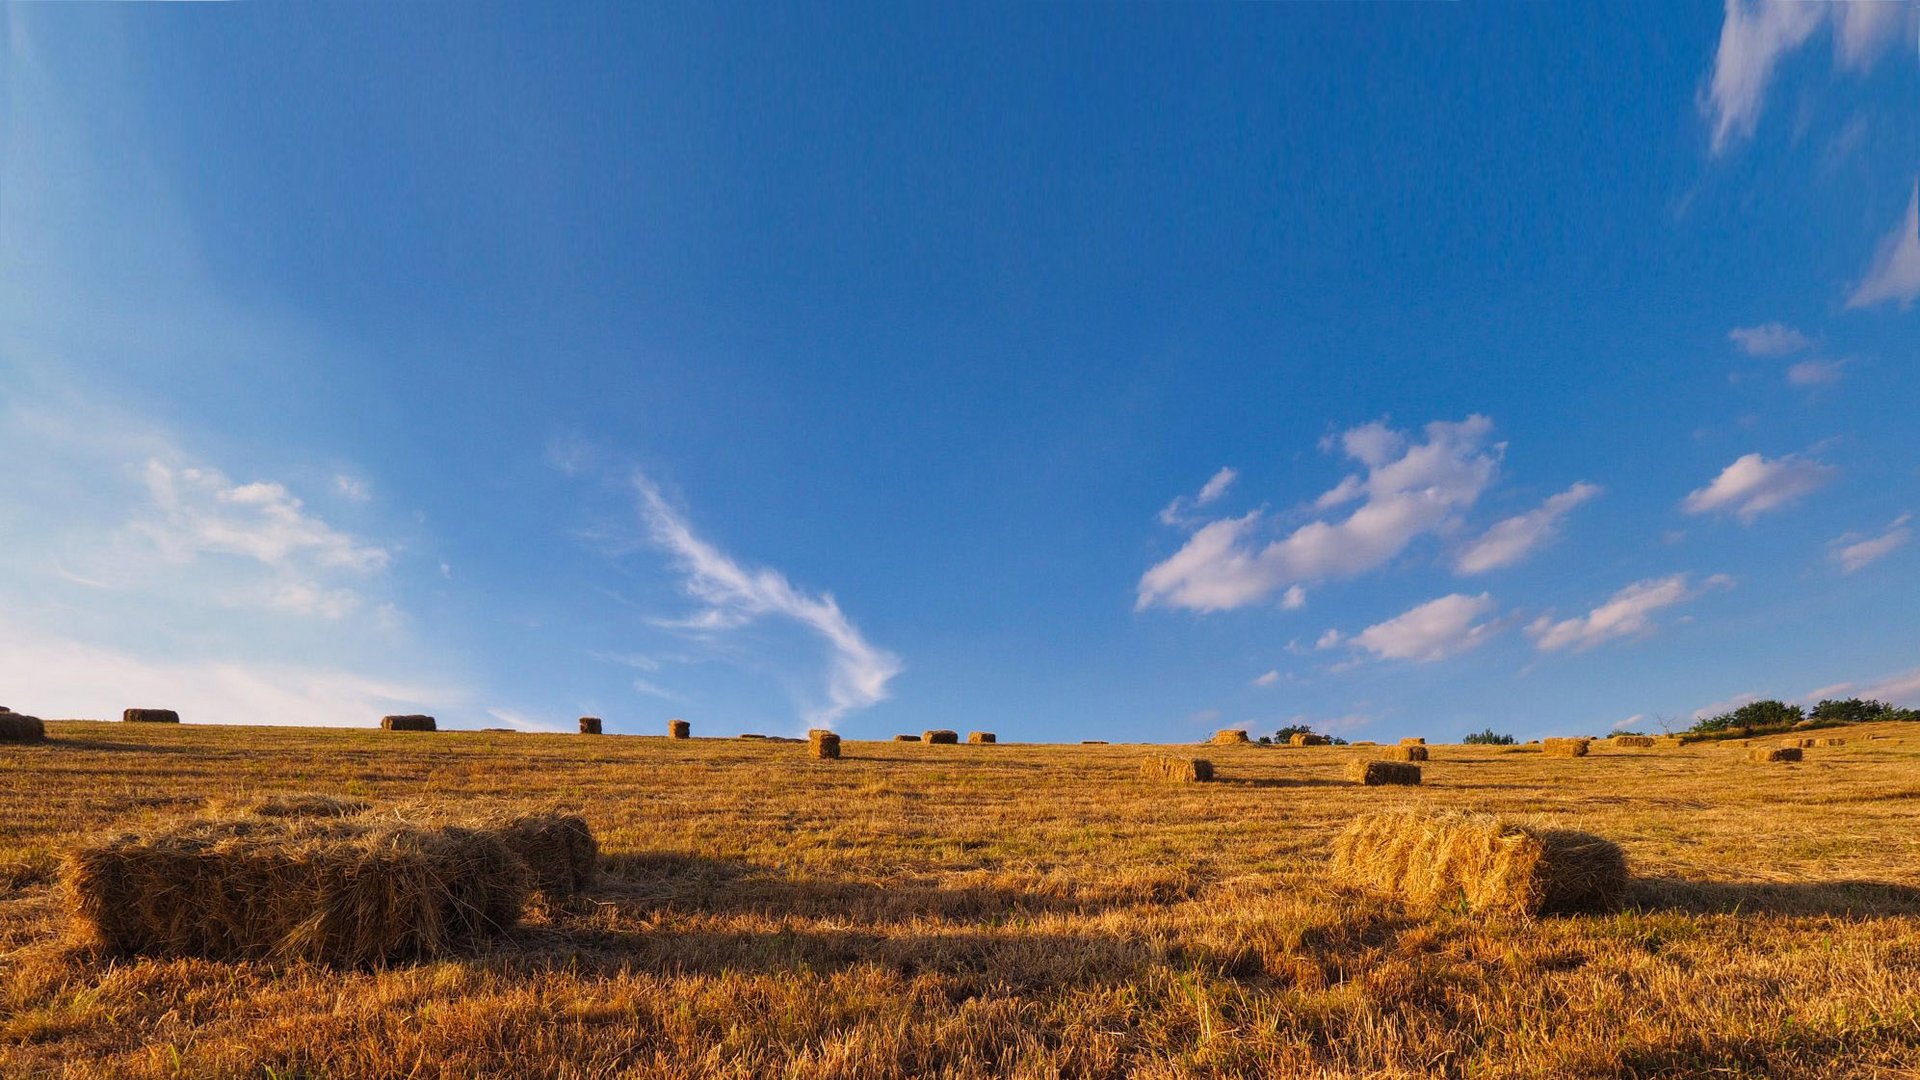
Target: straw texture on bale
823, 744
906, 738
1178, 770
1643, 741
1565, 747
1670, 742
298, 806
1374, 773
1416, 752
408, 722
343, 892
1830, 742
1484, 862
150, 716
558, 848
946, 737
1775, 753
981, 738
1413, 741
1230, 737
1301, 738
589, 725
679, 729
20, 728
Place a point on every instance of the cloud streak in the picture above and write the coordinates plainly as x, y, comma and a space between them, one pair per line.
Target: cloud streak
1895, 272
1513, 539
1854, 552
736, 595
1628, 613
1753, 485
1432, 631
1756, 37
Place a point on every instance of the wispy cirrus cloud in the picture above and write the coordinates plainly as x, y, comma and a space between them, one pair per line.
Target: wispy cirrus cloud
1179, 511
1755, 37
1628, 613
1894, 274
1769, 339
1855, 551
1755, 484
735, 595
1409, 489
1514, 538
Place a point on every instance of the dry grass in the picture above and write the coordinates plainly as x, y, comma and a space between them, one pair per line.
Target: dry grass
1405, 752
1231, 737
1774, 753
150, 716
981, 738
944, 738
1566, 747
408, 722
1376, 773
1034, 912
823, 744
1481, 862
20, 728
1178, 770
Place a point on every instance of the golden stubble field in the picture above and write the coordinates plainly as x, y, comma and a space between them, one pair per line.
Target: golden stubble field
1008, 911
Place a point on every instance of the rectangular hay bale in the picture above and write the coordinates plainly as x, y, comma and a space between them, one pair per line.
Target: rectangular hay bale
1375, 773
941, 737
1415, 752
1230, 737
906, 738
1775, 753
981, 738
823, 744
1174, 769
1303, 738
408, 722
150, 716
589, 725
679, 729
1484, 862
1565, 747
21, 728
1413, 741
1644, 742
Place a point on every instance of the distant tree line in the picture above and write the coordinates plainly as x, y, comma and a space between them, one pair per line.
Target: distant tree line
1287, 733
1770, 715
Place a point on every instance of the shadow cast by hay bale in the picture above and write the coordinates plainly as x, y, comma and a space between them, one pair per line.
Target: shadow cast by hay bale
1846, 899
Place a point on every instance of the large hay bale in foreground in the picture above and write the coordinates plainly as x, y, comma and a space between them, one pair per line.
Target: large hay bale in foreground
1565, 747
1644, 742
906, 738
1375, 773
981, 738
679, 729
21, 728
341, 892
1230, 737
150, 716
945, 738
823, 744
1485, 862
408, 722
1775, 753
1178, 770
1302, 738
589, 725
1413, 752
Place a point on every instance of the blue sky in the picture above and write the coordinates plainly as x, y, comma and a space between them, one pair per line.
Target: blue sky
1067, 372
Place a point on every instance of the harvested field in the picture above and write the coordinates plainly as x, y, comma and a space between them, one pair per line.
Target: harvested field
1035, 911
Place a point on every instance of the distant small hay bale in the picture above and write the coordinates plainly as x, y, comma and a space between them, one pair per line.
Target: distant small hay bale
752, 735
408, 722
1830, 741
1306, 739
589, 725
20, 728
1366, 742
1375, 773
906, 738
1230, 737
150, 716
679, 729
1565, 747
1415, 752
1875, 738
981, 738
351, 893
1775, 753
498, 731
1414, 740
1179, 770
1482, 861
1094, 742
1641, 741
944, 738
823, 744
1670, 742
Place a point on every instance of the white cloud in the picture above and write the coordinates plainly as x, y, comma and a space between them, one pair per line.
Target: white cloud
1815, 372
199, 511
736, 595
1895, 274
1629, 723
350, 488
1410, 489
522, 722
1267, 679
1626, 614
1900, 689
1752, 485
50, 676
1853, 551
308, 598
1769, 339
1177, 511
1755, 37
1432, 631
1294, 598
1329, 639
1706, 712
1511, 540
